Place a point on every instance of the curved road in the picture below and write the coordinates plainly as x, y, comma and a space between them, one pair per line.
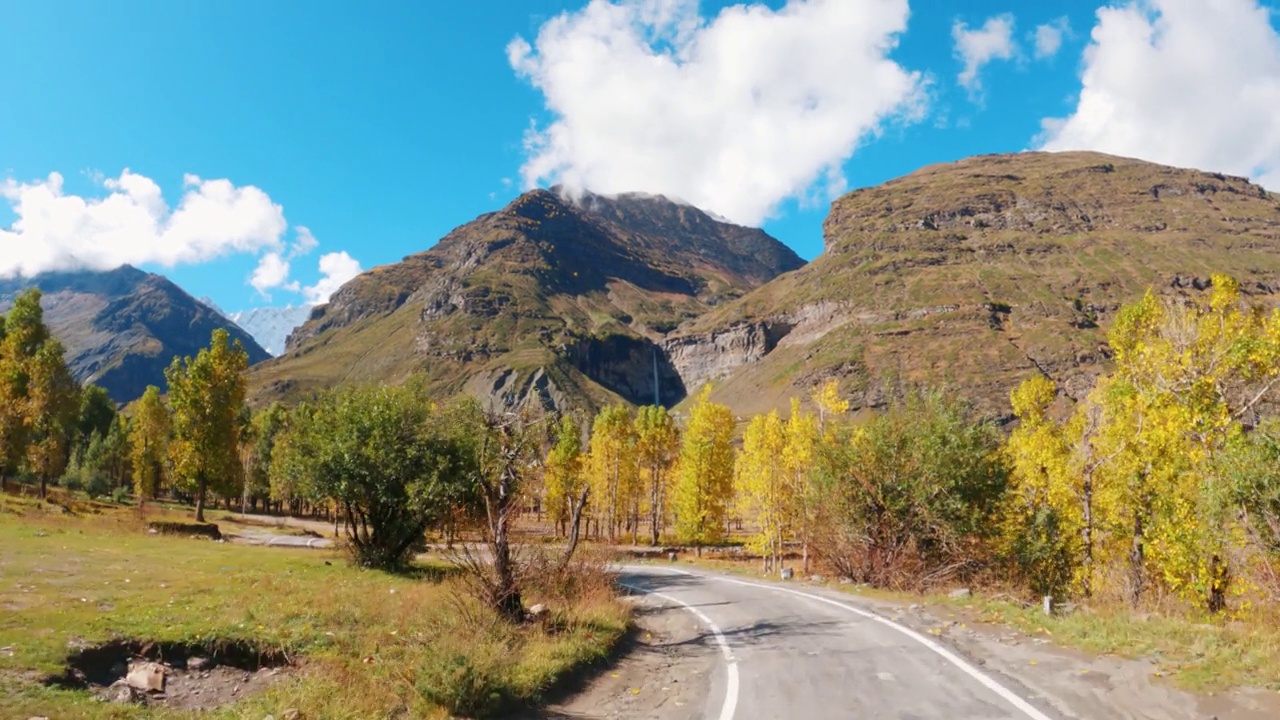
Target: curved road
805, 653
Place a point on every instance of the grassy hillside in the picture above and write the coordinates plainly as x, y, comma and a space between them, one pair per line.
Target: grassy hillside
976, 274
561, 300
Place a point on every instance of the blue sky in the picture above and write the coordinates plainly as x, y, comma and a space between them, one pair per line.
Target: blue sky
381, 129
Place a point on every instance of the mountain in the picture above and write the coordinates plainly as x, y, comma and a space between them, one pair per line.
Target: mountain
271, 326
123, 327
562, 300
978, 273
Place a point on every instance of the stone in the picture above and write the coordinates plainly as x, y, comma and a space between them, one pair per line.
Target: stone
787, 573
290, 714
148, 677
960, 594
538, 612
121, 693
196, 664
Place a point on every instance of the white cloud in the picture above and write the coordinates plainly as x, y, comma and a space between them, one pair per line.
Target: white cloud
1048, 37
133, 224
975, 48
734, 113
303, 243
1180, 82
335, 270
272, 272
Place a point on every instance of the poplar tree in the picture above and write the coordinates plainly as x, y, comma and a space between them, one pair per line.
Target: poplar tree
657, 449
611, 464
763, 493
206, 395
564, 482
704, 483
149, 444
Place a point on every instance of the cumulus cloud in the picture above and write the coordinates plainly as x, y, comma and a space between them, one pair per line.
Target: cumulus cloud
272, 272
133, 224
734, 113
977, 47
335, 270
1183, 83
1048, 37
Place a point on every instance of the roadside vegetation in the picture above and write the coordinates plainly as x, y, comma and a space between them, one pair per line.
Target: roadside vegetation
1157, 495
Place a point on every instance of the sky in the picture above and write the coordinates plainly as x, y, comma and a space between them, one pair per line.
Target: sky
261, 154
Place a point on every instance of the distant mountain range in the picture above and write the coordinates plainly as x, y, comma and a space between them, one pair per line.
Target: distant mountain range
970, 275
271, 326
123, 327
559, 301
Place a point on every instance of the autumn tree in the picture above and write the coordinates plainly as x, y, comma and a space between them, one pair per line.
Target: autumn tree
52, 403
149, 431
805, 433
565, 487
763, 488
657, 449
611, 467
206, 395
704, 483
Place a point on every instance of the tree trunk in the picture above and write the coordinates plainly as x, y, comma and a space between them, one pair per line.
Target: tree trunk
1086, 534
576, 523
43, 487
1219, 578
1137, 562
200, 488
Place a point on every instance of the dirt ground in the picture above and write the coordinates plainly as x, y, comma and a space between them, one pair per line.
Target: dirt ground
665, 673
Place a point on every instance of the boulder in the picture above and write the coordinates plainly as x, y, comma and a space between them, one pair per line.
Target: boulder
147, 677
960, 594
197, 664
787, 573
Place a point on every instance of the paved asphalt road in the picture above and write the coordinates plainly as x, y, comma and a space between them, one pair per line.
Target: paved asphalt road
808, 654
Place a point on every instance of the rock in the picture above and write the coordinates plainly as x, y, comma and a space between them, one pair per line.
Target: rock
671, 556
37, 717
121, 692
960, 594
148, 677
290, 714
538, 612
269, 717
196, 664
787, 573
815, 578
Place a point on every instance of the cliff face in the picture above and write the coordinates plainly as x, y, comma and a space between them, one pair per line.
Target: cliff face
974, 275
122, 328
557, 299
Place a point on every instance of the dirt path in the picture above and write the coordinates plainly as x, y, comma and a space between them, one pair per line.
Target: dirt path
666, 673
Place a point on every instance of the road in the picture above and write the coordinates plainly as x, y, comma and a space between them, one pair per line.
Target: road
804, 653
267, 538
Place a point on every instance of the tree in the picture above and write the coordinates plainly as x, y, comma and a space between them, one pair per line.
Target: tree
263, 432
392, 464
910, 498
704, 483
52, 402
564, 481
611, 467
206, 395
763, 491
97, 412
657, 449
149, 444
804, 433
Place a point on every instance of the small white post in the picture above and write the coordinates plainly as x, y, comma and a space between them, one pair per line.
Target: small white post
1048, 604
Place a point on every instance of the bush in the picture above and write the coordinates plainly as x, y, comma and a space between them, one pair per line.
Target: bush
120, 495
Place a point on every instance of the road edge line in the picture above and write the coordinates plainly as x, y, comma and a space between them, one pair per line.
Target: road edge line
987, 681
730, 704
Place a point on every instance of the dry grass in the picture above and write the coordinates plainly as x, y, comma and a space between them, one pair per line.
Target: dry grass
370, 644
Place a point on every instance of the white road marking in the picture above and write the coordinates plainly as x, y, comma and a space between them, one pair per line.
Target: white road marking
1010, 696
730, 705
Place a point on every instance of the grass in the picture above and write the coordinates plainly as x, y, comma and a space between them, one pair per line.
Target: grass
368, 644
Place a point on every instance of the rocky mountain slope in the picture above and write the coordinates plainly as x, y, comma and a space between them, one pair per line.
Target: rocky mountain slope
566, 301
122, 328
976, 274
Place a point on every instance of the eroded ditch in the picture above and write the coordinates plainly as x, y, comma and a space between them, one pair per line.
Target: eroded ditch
179, 675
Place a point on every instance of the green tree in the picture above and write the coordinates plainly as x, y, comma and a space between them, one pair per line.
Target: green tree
263, 433
149, 432
206, 395
52, 402
657, 450
704, 483
391, 464
97, 412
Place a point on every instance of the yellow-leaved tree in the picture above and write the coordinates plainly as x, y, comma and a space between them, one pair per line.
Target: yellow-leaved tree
657, 449
612, 471
763, 491
206, 394
564, 482
704, 483
149, 444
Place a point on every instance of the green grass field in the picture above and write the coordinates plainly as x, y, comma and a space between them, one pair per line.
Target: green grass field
365, 644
